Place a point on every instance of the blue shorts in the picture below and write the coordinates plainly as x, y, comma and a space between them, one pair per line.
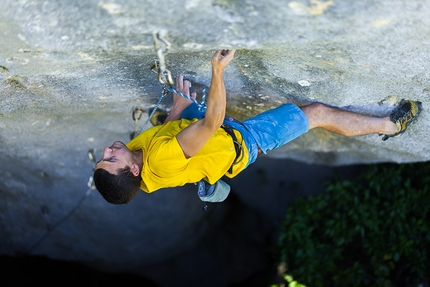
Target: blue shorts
267, 131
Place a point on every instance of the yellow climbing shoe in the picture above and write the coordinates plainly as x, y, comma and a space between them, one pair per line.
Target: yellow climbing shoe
158, 117
407, 112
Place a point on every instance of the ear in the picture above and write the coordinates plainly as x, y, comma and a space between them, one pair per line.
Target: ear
135, 170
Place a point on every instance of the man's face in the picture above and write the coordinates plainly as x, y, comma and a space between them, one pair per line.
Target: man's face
115, 157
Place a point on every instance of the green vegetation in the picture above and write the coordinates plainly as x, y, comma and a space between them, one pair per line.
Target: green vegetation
373, 231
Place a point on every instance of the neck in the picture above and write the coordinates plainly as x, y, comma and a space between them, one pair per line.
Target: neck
138, 158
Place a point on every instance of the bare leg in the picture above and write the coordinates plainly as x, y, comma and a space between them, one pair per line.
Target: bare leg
179, 102
345, 122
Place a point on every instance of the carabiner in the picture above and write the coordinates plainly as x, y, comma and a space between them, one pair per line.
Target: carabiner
137, 110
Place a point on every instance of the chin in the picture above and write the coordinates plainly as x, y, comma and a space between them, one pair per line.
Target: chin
118, 144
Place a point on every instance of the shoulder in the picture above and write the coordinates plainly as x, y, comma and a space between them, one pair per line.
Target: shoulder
143, 138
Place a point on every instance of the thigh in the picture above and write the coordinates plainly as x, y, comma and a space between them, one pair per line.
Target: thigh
274, 128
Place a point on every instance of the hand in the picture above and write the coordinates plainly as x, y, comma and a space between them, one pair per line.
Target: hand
180, 102
222, 58
182, 85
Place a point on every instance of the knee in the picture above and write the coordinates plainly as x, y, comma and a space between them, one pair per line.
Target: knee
314, 112
317, 107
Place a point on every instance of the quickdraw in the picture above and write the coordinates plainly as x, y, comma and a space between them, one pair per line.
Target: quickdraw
162, 46
207, 192
93, 159
164, 75
136, 115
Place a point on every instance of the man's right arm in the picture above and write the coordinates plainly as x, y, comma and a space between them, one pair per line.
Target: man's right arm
193, 137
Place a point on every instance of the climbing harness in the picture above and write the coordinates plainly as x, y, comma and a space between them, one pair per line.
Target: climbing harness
237, 146
219, 191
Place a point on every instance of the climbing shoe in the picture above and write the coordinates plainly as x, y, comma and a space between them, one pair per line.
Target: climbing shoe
407, 112
158, 117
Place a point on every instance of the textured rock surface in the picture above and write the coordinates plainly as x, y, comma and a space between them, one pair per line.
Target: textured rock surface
71, 73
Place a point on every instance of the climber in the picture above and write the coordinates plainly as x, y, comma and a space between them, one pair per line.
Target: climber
191, 146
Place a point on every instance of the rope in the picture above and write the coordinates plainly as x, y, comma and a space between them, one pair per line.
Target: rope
61, 221
166, 89
91, 187
138, 131
162, 46
201, 105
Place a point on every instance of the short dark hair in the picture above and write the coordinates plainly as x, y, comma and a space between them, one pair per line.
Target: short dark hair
117, 188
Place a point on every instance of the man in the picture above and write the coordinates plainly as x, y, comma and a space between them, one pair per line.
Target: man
191, 146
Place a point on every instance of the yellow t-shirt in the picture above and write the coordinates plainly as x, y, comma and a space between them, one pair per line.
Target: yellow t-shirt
165, 165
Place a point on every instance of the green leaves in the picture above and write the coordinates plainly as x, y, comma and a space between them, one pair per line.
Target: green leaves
374, 231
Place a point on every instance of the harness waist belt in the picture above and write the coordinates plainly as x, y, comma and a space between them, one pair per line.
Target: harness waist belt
228, 118
237, 146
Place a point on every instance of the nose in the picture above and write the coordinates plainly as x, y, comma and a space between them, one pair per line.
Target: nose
106, 152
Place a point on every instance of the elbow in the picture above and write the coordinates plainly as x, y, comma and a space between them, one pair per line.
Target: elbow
215, 122
220, 119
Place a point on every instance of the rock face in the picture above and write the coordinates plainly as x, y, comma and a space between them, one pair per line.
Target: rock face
72, 72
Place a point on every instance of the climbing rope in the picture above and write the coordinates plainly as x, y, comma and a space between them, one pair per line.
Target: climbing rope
138, 130
162, 46
165, 78
166, 89
91, 187
201, 105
